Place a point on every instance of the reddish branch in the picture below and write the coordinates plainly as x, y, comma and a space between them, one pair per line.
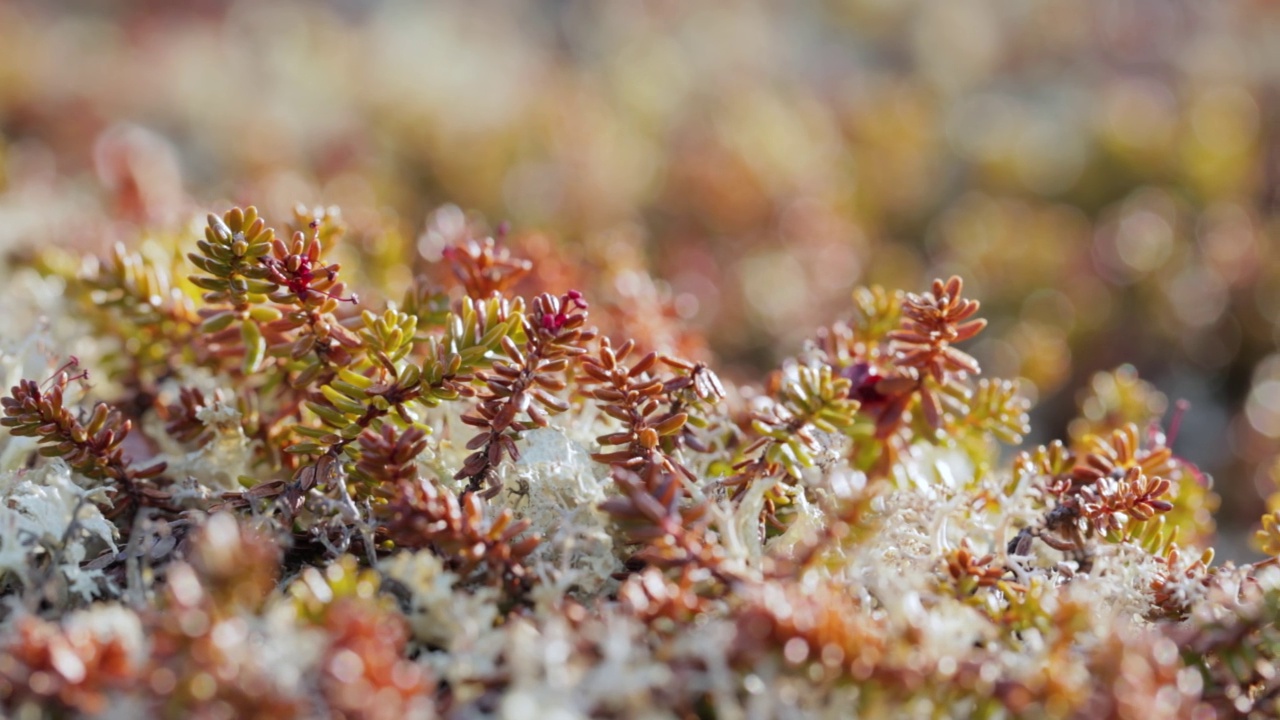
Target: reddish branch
91, 448
524, 383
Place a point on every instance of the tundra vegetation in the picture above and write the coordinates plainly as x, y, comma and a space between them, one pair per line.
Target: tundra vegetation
257, 492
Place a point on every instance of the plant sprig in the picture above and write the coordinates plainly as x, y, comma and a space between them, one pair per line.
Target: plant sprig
392, 382
523, 383
237, 285
91, 447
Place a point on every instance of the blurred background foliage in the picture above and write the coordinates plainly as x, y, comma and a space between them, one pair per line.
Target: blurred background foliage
1105, 175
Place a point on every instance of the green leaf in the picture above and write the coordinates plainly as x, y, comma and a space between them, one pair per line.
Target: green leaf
355, 379
349, 390
342, 402
255, 346
208, 283
329, 415
218, 322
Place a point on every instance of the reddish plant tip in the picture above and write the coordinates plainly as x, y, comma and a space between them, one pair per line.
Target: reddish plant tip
298, 273
569, 302
554, 322
577, 299
62, 375
864, 378
484, 268
1180, 409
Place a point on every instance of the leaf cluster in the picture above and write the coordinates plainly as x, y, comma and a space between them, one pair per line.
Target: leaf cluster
898, 351
140, 303
393, 381
653, 407
484, 268
1116, 486
91, 447
810, 401
420, 515
523, 383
